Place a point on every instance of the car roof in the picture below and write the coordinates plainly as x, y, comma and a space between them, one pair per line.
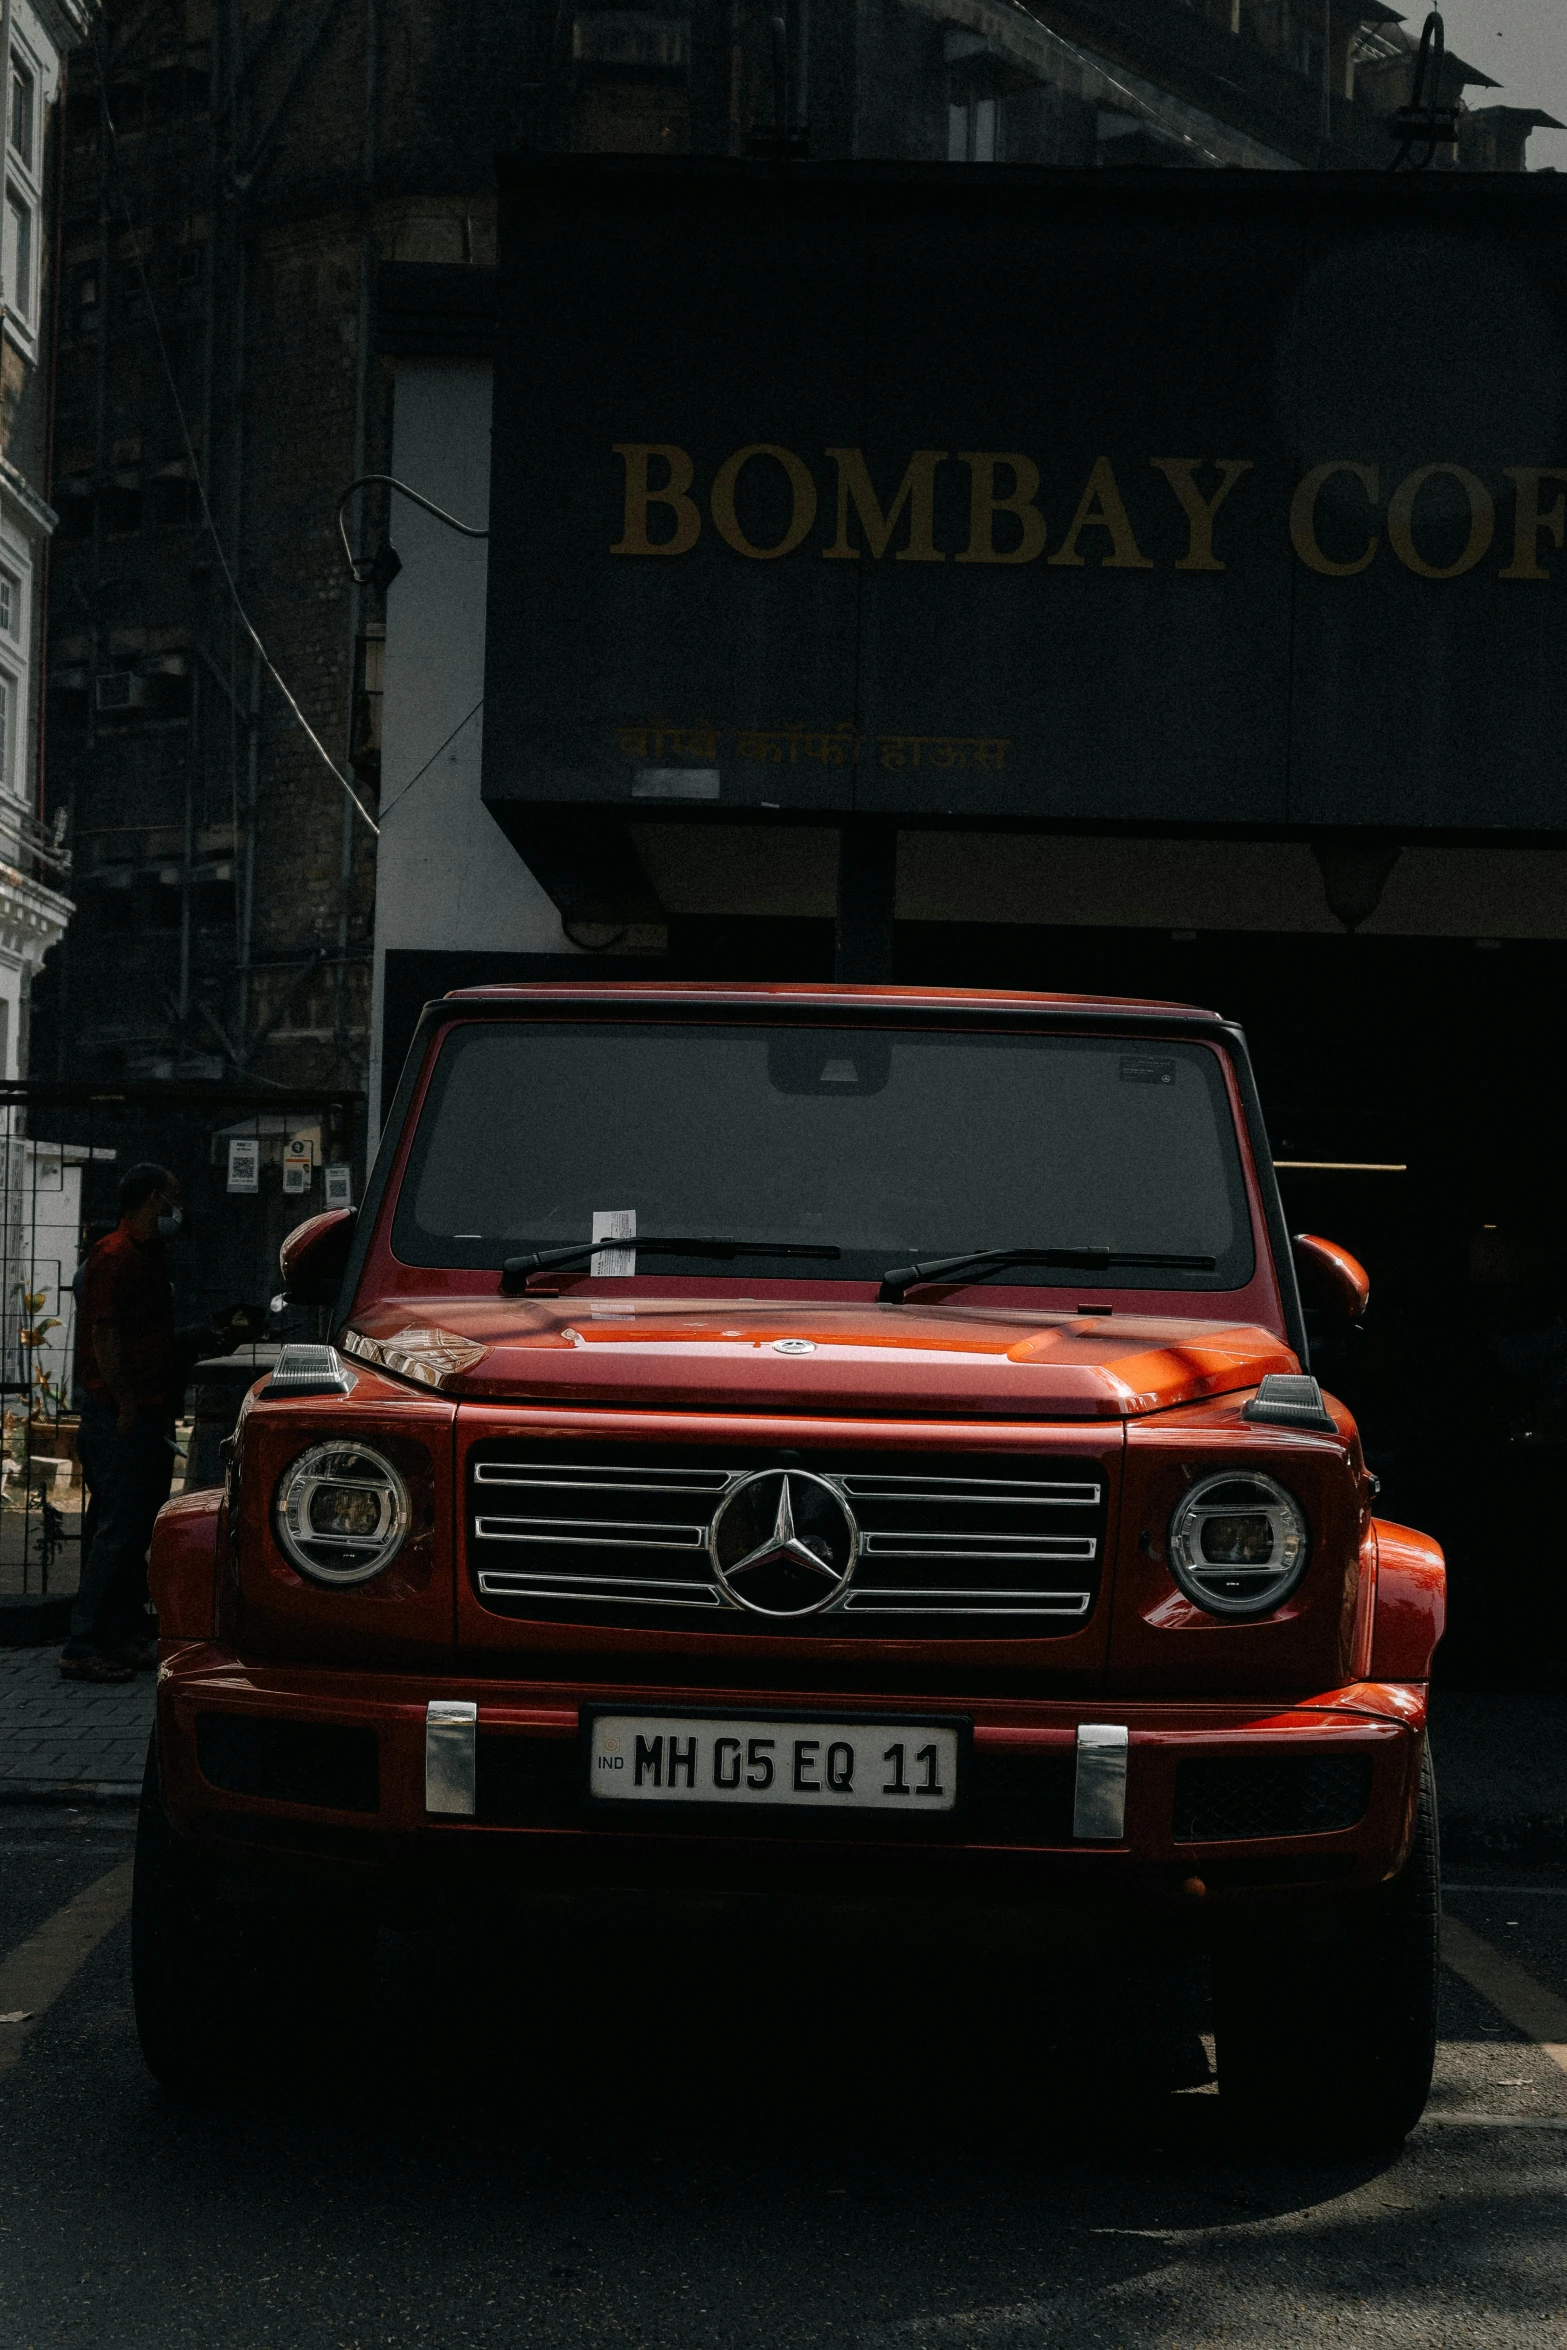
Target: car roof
819, 995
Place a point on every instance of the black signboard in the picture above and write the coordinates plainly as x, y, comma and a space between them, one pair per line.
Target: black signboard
1191, 498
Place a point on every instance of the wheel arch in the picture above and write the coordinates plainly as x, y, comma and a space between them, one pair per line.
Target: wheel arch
182, 1569
1411, 1603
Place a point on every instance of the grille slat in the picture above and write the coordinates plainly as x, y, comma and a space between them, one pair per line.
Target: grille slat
972, 1492
967, 1601
560, 1475
903, 1542
601, 1589
971, 1553
605, 1533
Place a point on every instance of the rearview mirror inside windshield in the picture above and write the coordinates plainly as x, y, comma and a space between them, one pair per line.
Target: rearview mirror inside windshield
827, 1060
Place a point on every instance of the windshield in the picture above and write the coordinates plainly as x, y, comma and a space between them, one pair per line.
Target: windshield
884, 1144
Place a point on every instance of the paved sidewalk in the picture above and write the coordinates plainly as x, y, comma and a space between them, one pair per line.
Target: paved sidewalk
59, 1736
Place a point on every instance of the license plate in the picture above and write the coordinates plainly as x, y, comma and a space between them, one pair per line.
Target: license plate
909, 1768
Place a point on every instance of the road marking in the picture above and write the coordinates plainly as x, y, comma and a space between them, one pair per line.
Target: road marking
962, 2325
1519, 1892
37, 1971
1492, 2121
1512, 1993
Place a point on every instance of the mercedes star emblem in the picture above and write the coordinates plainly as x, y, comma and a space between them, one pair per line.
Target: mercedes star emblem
783, 1543
794, 1346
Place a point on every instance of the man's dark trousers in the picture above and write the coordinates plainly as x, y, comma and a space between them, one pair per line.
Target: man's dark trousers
129, 1478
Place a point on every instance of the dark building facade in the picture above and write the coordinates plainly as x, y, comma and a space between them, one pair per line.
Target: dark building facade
237, 177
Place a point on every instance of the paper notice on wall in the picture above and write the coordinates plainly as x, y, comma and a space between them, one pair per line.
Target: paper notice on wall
244, 1165
297, 1160
338, 1186
608, 1264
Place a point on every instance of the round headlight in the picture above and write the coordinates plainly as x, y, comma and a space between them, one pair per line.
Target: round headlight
342, 1513
1238, 1544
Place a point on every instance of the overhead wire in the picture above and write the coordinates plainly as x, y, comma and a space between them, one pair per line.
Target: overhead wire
419, 772
229, 581
1139, 100
360, 571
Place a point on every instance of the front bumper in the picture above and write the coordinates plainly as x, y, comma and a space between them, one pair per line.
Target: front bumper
323, 1779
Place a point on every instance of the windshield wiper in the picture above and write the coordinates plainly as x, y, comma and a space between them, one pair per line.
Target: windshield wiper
1072, 1260
516, 1270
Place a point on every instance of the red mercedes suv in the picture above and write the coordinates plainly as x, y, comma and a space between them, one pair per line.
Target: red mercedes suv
803, 1436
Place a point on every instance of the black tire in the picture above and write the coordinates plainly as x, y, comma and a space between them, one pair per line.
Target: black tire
260, 1995
1331, 2043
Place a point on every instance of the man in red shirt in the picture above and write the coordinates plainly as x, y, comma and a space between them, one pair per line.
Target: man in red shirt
133, 1365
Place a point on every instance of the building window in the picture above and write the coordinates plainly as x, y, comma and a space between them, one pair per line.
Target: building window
974, 131
10, 604
175, 500
120, 504
73, 502
85, 301
23, 87
7, 719
17, 259
631, 68
633, 39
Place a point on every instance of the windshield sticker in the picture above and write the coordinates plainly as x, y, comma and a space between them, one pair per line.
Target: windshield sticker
609, 1264
1138, 1069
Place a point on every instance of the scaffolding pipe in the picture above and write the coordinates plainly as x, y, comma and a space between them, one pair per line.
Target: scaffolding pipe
238, 287
368, 256
188, 855
247, 916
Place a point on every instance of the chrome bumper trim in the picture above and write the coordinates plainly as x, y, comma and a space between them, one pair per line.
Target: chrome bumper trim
451, 1757
1099, 1805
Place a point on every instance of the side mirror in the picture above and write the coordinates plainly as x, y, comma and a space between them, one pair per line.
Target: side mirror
314, 1255
1331, 1280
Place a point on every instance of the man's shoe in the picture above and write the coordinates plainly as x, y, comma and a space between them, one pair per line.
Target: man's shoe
140, 1655
95, 1666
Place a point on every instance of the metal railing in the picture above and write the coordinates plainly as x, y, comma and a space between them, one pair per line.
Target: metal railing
30, 847
63, 1149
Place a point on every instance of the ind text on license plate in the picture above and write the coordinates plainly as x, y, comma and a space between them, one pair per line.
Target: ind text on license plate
906, 1767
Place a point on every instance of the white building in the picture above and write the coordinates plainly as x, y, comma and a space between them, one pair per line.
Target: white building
446, 877
33, 865
40, 1183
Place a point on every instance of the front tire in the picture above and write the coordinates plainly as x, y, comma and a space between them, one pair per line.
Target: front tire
221, 1992
1332, 2044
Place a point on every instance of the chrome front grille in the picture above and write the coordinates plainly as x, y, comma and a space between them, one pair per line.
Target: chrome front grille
516, 1502
1045, 1569
962, 1543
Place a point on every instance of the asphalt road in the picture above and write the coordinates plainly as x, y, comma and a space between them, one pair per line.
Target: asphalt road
754, 2130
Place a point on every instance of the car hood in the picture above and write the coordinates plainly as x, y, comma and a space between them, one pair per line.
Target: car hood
810, 1356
